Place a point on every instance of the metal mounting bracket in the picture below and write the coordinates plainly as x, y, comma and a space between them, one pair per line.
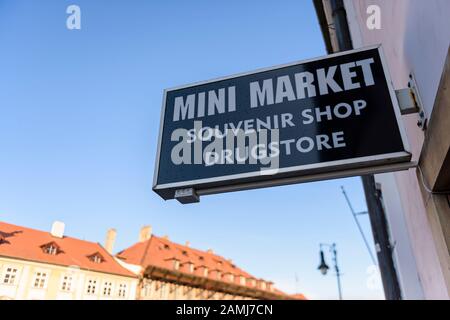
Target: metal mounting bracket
406, 101
187, 195
409, 102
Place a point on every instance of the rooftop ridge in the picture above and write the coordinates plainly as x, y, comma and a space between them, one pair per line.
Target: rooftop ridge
55, 239
194, 255
26, 244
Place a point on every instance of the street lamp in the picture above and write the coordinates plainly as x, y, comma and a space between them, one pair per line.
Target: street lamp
323, 267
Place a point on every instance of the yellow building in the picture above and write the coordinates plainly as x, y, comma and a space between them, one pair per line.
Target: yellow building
49, 265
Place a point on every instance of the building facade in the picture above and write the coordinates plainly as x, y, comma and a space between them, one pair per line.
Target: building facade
415, 37
49, 265
41, 265
172, 271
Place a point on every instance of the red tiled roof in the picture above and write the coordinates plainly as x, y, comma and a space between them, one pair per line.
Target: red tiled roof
160, 252
25, 243
299, 296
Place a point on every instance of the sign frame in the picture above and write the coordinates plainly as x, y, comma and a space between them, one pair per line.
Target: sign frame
374, 164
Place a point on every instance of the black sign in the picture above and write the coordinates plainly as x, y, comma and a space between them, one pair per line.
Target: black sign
318, 119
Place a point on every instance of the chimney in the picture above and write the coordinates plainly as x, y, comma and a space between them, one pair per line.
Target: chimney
110, 239
187, 244
57, 229
145, 233
210, 251
166, 237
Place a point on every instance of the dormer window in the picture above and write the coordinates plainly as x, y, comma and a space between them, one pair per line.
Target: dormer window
185, 253
175, 263
2, 239
167, 247
96, 258
262, 285
51, 248
190, 267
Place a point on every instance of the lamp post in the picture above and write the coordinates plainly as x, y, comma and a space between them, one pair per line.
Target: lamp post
323, 267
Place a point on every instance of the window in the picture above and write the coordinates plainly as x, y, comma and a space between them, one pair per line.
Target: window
107, 288
51, 248
263, 285
243, 280
91, 286
66, 284
10, 275
122, 292
205, 272
96, 258
231, 277
185, 290
40, 279
176, 264
219, 275
147, 289
163, 291
191, 267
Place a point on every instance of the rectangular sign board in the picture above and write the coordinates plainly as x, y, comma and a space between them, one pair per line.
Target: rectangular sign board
318, 119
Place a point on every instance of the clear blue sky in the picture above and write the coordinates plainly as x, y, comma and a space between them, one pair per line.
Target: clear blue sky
79, 121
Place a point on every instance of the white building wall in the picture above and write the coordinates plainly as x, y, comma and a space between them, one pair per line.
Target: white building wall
415, 36
404, 259
23, 285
